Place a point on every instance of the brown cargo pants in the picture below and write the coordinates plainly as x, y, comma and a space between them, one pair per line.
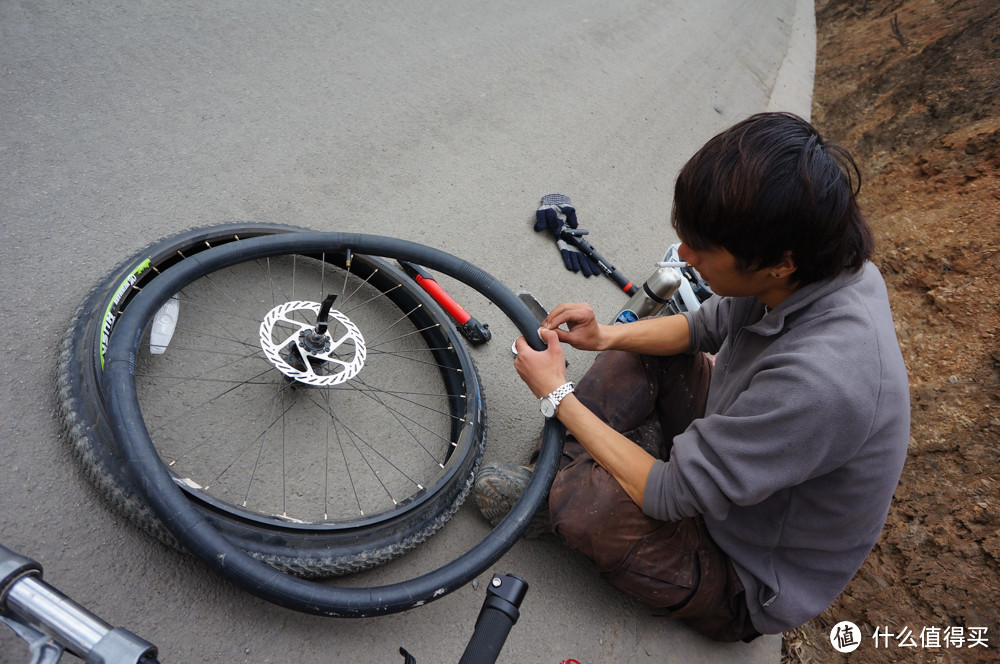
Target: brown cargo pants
670, 566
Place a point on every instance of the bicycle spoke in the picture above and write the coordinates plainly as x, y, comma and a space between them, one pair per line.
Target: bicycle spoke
208, 405
262, 439
399, 417
370, 391
355, 436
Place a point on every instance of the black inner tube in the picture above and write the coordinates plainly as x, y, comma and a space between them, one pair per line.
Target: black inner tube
192, 529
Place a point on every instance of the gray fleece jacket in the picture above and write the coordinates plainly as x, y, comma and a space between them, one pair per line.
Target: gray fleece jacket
802, 444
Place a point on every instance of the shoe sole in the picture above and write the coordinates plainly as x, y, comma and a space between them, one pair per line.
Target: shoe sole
498, 488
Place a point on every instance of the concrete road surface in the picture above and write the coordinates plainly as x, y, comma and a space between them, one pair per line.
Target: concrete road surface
442, 123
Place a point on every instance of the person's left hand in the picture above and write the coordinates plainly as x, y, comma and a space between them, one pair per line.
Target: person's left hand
542, 371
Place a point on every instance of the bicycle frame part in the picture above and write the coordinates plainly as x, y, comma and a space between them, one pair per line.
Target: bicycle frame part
692, 290
51, 622
193, 530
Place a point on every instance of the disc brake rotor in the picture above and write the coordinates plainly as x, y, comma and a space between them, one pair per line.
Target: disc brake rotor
298, 351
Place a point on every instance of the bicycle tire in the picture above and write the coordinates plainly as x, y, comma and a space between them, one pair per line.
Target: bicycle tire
284, 546
193, 529
79, 369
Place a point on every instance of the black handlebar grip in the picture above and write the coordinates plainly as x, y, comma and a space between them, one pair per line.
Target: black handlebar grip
496, 618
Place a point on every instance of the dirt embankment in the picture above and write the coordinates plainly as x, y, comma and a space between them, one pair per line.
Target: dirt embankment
912, 89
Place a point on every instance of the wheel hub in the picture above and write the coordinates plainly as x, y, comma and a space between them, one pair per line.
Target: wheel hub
314, 355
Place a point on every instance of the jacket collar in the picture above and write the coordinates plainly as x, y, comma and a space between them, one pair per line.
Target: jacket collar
774, 321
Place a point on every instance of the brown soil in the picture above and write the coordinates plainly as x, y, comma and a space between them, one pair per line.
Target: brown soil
912, 89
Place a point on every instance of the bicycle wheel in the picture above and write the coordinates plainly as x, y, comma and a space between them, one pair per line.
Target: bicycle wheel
134, 396
263, 521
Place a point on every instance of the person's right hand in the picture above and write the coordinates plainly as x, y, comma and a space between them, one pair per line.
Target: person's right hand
582, 332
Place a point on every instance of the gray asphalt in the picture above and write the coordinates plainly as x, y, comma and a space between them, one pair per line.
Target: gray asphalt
442, 123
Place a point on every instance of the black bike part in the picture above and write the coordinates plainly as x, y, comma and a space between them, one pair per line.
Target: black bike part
475, 332
323, 319
497, 617
81, 400
190, 526
284, 545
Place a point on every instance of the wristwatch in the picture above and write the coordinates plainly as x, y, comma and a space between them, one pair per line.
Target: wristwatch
550, 403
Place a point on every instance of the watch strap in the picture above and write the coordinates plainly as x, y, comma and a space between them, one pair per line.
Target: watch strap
560, 393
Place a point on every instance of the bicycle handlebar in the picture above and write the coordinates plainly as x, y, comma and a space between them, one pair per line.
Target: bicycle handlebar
496, 618
50, 622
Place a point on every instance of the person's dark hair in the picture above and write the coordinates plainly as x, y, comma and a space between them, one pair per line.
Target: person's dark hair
771, 185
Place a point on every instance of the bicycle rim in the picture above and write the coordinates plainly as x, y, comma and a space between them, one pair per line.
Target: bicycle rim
263, 418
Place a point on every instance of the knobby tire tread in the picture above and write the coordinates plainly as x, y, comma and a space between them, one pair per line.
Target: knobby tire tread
80, 398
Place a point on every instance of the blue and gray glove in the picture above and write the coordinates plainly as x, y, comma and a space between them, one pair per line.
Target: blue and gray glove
555, 215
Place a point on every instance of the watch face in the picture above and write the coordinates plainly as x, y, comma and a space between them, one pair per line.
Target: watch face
548, 408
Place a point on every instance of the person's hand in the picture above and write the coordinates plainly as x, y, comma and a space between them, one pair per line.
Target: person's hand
582, 329
542, 371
